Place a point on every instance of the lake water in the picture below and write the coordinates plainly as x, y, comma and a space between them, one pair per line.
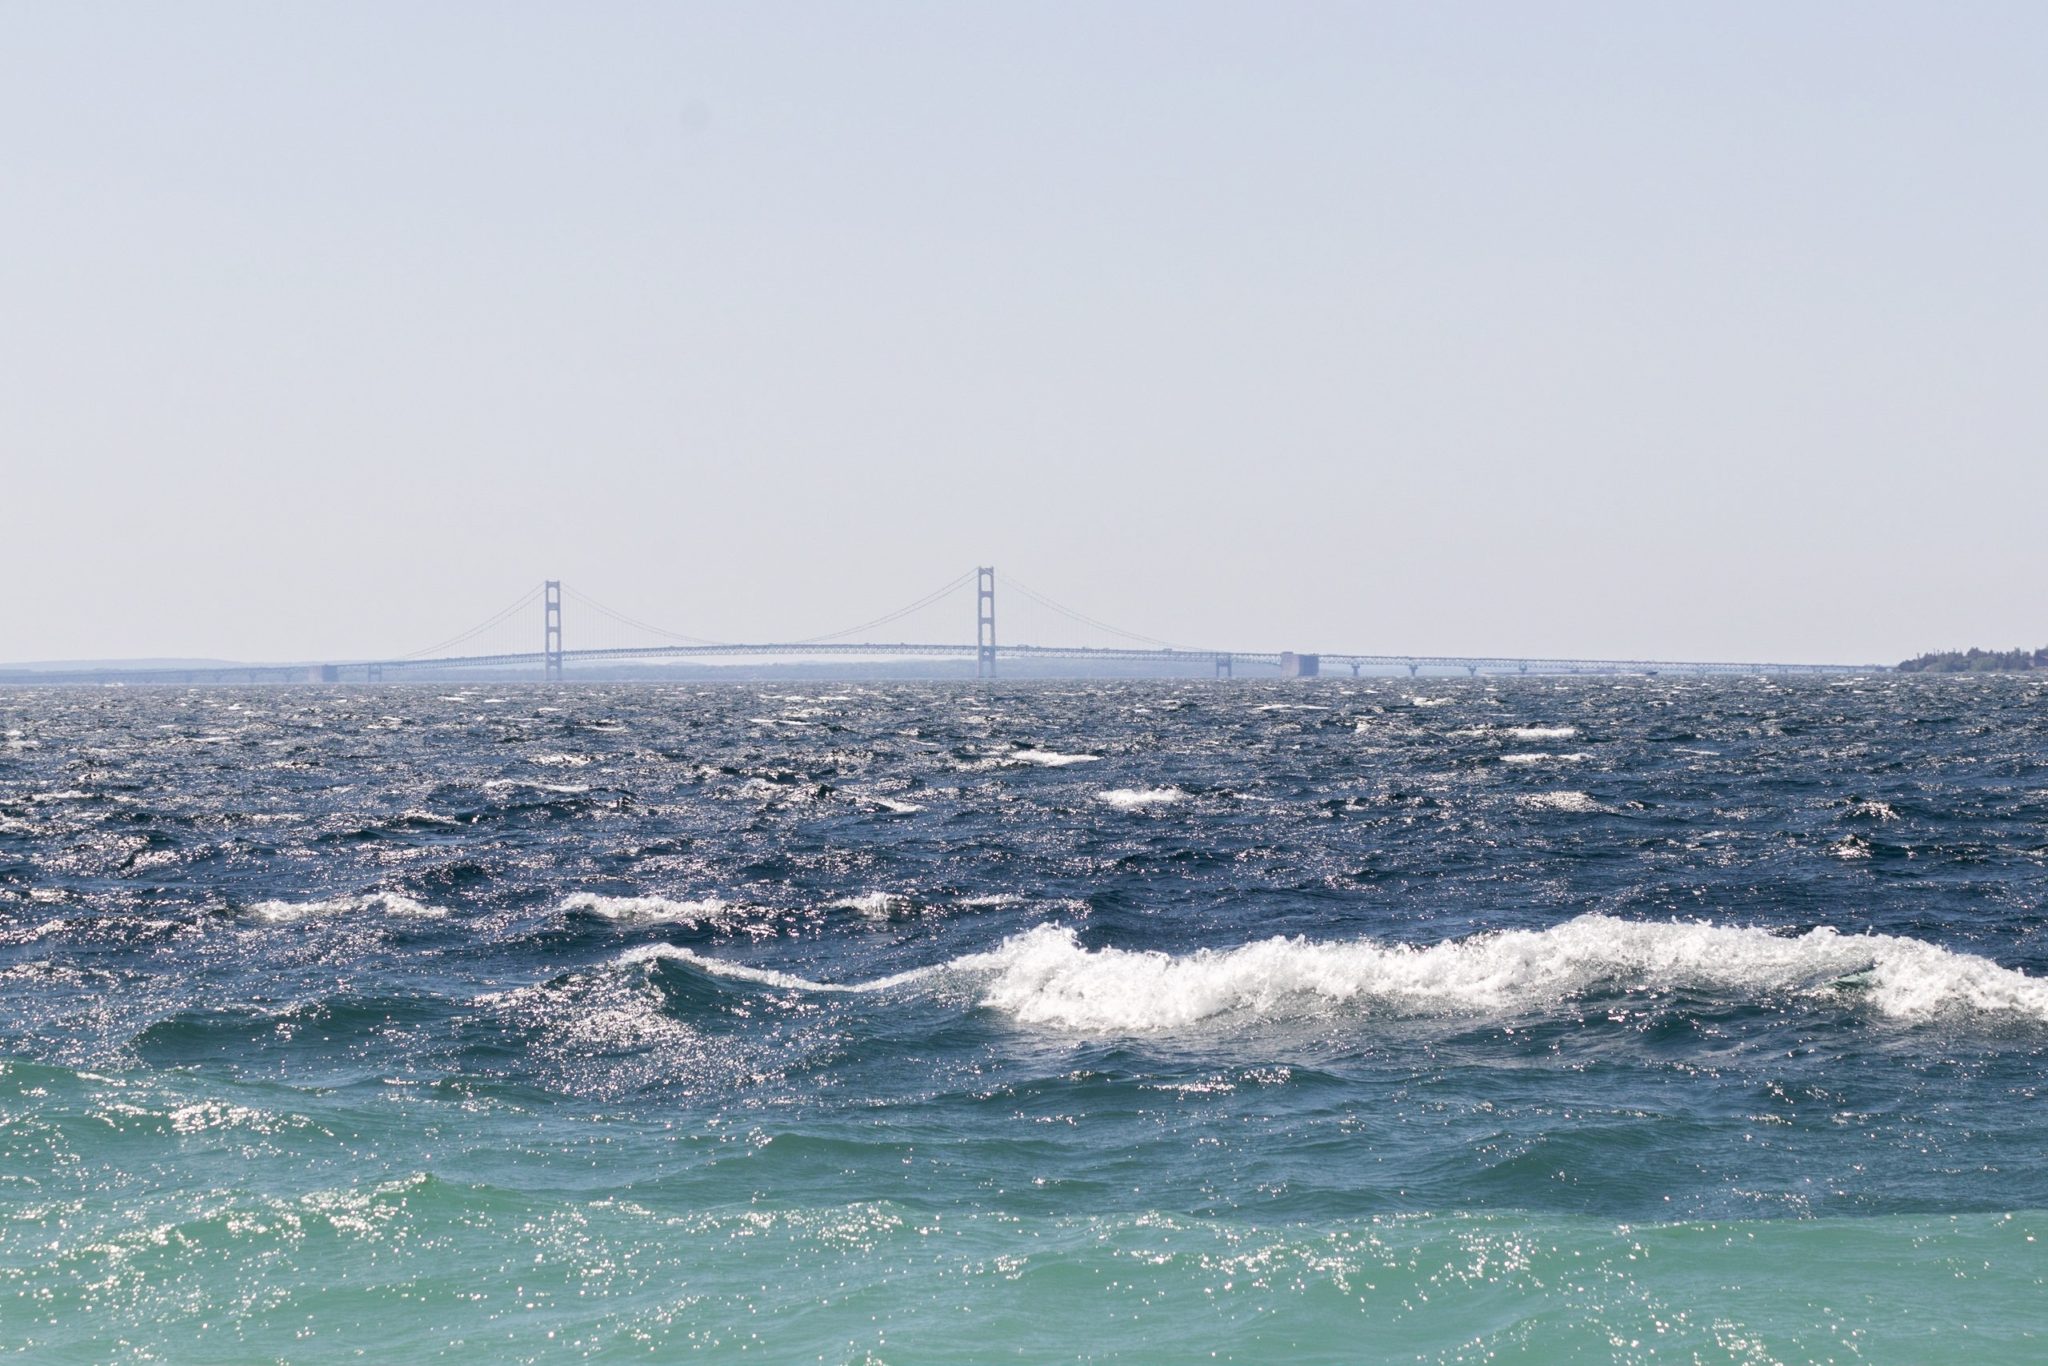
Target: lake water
1426, 1021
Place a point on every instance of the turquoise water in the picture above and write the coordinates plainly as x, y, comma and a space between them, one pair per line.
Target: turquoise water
1623, 1021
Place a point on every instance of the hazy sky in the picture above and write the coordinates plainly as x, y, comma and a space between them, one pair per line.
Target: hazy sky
1629, 329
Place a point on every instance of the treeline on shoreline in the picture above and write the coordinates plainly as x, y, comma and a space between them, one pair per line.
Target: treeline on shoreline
1976, 661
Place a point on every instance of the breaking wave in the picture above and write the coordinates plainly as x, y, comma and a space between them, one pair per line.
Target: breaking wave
1044, 976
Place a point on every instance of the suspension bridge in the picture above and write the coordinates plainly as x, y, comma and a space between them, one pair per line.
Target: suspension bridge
554, 661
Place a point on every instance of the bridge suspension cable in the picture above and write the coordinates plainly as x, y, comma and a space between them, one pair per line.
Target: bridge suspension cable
594, 605
1011, 582
525, 600
938, 594
585, 600
927, 600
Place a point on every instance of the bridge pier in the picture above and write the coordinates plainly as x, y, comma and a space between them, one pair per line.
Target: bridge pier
1472, 670
374, 674
1223, 666
1413, 668
1354, 669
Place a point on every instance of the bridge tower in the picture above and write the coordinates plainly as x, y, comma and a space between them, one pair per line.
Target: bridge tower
551, 647
985, 622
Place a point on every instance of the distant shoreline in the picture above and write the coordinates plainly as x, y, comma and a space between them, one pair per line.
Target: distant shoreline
1976, 661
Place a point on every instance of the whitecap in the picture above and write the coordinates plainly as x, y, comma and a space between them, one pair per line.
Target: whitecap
1560, 801
1543, 758
389, 903
1049, 758
1132, 798
709, 911
1541, 732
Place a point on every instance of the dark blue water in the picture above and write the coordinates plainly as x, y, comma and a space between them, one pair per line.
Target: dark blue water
1623, 1019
